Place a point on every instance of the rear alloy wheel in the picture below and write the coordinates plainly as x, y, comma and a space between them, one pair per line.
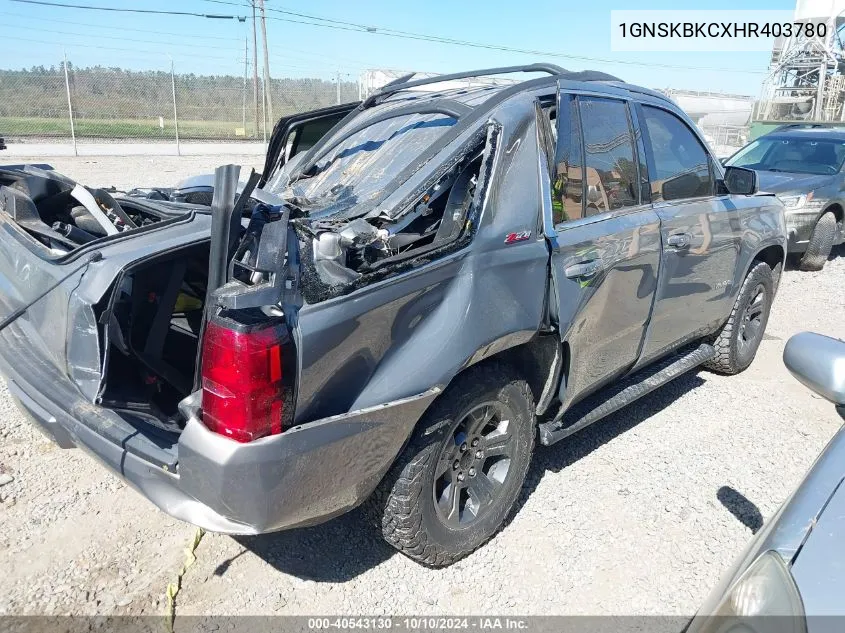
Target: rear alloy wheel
459, 477
737, 342
821, 243
473, 465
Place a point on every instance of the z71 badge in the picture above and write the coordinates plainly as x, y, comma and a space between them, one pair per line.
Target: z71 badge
521, 236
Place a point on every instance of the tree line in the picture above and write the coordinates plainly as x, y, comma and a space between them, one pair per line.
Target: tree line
101, 92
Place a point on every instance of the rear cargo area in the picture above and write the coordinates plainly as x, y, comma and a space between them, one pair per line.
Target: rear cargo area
153, 321
123, 319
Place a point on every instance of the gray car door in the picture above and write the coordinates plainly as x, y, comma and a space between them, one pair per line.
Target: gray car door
605, 241
701, 235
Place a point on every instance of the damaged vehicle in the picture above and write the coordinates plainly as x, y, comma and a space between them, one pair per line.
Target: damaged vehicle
415, 289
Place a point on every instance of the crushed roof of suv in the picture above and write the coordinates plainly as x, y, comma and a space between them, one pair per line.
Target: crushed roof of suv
466, 106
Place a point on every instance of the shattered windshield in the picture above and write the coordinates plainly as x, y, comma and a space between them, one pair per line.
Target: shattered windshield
347, 181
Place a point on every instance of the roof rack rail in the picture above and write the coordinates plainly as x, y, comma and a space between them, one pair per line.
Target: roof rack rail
640, 90
591, 75
794, 126
402, 84
398, 80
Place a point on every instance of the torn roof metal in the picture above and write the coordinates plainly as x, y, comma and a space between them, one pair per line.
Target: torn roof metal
469, 107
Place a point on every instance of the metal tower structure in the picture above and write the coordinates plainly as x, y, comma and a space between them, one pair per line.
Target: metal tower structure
806, 81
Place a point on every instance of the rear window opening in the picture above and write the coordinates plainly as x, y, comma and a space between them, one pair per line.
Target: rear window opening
348, 179
341, 255
152, 327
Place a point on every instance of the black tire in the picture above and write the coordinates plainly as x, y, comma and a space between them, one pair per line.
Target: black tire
737, 342
777, 272
821, 241
405, 507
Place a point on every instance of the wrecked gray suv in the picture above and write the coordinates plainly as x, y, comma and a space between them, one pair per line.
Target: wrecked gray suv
415, 289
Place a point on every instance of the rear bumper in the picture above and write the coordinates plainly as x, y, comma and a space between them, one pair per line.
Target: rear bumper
307, 475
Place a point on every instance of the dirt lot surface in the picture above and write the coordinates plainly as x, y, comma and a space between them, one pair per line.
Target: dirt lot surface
635, 515
44, 147
125, 172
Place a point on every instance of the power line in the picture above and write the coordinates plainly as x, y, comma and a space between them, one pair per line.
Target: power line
108, 48
509, 49
308, 53
280, 63
342, 25
241, 18
335, 62
125, 28
247, 4
387, 32
129, 39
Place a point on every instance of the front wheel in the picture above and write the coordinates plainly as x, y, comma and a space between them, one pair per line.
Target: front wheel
737, 342
821, 243
456, 482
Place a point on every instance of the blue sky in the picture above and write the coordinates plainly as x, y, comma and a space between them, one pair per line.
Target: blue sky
38, 35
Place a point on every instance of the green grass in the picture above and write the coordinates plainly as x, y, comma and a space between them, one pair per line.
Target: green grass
11, 127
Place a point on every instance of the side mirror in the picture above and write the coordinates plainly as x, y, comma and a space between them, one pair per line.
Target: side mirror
741, 181
723, 160
818, 362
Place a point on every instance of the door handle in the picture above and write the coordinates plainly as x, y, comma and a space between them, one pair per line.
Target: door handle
583, 269
679, 240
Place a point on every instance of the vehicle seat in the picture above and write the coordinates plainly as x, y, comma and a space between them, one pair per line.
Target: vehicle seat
823, 154
457, 206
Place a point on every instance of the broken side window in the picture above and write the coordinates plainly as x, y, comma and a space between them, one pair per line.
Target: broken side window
341, 256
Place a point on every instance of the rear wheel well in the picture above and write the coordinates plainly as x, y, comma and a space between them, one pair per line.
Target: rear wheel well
533, 361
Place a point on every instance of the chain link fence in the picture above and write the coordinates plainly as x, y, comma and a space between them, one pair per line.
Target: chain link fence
102, 105
114, 105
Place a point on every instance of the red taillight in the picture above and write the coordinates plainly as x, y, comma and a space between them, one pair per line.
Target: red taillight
242, 389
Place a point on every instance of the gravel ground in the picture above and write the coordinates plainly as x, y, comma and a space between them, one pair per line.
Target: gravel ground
623, 518
44, 147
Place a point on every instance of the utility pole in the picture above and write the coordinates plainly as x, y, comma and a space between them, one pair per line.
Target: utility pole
70, 108
175, 115
246, 66
255, 68
264, 108
267, 85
